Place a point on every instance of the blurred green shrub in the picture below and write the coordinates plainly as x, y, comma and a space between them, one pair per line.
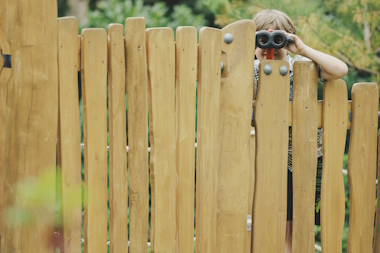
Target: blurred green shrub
156, 15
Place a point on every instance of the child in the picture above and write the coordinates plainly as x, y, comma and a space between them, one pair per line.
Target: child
330, 68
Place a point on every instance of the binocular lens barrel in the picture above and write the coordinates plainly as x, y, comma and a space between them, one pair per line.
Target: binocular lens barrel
276, 39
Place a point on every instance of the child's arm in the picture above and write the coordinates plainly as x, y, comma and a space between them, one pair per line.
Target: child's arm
332, 68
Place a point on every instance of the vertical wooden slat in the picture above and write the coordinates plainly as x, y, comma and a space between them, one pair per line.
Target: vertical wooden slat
31, 122
137, 99
236, 91
5, 74
186, 76
118, 186
207, 137
332, 193
94, 92
376, 241
361, 166
271, 117
161, 69
304, 144
251, 187
69, 155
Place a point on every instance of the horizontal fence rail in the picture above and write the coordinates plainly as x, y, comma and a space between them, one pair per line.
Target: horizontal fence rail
169, 152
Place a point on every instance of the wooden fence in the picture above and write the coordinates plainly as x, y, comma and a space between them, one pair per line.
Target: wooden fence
240, 171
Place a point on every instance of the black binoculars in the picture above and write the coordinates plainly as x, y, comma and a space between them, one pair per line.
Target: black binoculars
276, 39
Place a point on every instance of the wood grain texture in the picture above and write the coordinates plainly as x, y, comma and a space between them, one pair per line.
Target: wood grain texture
186, 76
333, 138
361, 166
236, 91
376, 240
31, 122
118, 184
94, 92
207, 137
161, 69
251, 186
69, 137
137, 99
319, 113
271, 116
5, 75
304, 144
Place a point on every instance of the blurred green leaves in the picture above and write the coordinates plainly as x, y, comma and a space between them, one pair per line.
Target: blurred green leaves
34, 198
156, 15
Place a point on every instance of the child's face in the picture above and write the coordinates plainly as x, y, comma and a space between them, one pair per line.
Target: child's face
279, 54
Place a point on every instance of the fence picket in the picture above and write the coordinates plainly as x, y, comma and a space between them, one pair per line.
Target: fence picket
236, 94
31, 125
334, 126
186, 76
304, 144
5, 75
94, 92
137, 100
271, 117
161, 69
361, 166
118, 186
69, 152
207, 137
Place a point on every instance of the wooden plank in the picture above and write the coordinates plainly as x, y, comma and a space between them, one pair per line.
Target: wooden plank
361, 166
319, 113
207, 137
118, 185
5, 75
31, 123
94, 92
304, 144
69, 137
137, 99
161, 69
271, 116
251, 187
236, 91
333, 138
186, 76
376, 241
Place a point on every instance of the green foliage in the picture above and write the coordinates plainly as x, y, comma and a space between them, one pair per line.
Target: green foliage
156, 15
63, 7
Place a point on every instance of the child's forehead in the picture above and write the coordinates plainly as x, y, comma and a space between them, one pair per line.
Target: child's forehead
269, 27
273, 26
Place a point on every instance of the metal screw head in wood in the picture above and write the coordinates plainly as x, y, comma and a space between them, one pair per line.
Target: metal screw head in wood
221, 66
283, 70
228, 38
268, 69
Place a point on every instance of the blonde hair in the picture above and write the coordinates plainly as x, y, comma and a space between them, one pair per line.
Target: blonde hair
273, 19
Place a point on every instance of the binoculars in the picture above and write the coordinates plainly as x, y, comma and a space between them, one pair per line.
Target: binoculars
276, 39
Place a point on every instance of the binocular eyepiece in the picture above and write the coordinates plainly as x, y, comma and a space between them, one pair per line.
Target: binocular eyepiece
276, 39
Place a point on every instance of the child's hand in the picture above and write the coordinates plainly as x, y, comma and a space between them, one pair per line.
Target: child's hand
296, 47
